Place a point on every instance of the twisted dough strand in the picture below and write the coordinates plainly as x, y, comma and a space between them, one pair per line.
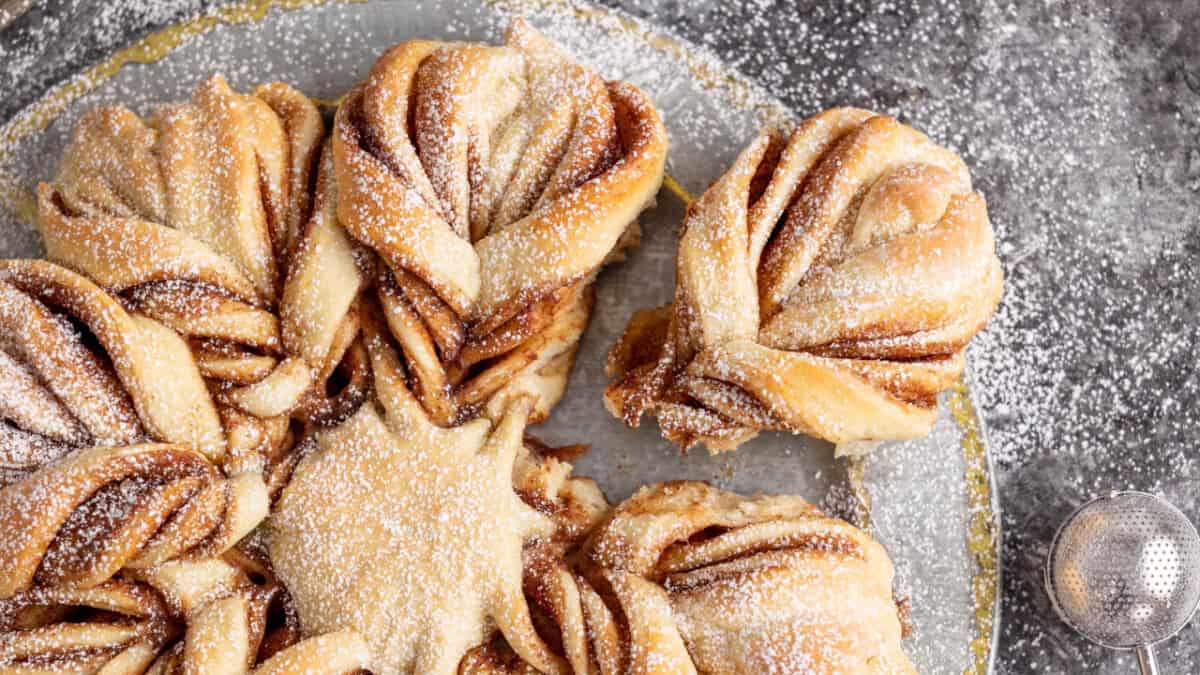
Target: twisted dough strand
493, 182
139, 383
80, 520
203, 616
686, 578
826, 284
36, 638
192, 216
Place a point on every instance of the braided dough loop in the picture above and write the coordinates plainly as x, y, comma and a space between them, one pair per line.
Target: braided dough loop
80, 520
707, 581
226, 617
36, 638
493, 183
140, 383
202, 616
827, 283
192, 216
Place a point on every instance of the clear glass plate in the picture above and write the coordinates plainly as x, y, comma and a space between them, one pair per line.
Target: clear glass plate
931, 502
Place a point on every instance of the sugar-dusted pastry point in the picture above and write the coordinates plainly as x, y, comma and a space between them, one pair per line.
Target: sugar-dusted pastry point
413, 535
828, 284
492, 182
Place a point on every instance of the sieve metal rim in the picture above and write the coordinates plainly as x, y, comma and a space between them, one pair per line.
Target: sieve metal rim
1048, 574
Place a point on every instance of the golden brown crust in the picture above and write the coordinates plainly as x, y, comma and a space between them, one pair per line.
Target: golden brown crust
80, 520
827, 284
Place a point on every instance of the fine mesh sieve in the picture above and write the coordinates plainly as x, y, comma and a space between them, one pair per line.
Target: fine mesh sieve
1124, 571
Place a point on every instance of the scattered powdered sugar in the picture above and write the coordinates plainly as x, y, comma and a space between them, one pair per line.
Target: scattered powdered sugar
1079, 124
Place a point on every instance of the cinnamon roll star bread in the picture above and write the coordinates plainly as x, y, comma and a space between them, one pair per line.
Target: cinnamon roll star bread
264, 408
828, 284
492, 182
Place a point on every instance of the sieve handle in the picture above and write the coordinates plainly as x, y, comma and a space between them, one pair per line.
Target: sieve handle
1146, 661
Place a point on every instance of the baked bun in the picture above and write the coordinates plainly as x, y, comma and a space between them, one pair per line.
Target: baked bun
828, 284
493, 183
201, 217
685, 578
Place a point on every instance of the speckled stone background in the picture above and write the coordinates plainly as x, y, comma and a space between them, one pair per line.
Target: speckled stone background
1081, 122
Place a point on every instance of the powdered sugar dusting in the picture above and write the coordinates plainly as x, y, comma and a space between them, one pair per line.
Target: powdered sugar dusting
1084, 376
708, 126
